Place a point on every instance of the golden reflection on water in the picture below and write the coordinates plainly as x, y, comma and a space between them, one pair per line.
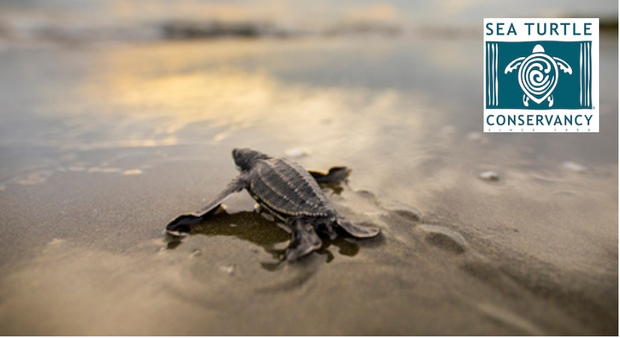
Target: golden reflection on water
161, 92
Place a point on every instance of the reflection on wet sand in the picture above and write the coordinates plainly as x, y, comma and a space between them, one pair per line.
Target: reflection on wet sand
253, 228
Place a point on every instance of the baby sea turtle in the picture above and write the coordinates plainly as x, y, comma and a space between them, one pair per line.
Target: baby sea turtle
290, 193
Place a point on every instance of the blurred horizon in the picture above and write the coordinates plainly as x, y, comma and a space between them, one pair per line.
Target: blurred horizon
75, 21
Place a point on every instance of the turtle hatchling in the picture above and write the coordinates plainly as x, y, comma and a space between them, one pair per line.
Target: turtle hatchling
291, 194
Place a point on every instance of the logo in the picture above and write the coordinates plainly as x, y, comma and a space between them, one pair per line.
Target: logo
541, 75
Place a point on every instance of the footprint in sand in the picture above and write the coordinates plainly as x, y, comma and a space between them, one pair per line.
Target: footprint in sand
443, 238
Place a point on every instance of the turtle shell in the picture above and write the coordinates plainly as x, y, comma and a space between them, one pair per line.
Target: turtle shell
287, 189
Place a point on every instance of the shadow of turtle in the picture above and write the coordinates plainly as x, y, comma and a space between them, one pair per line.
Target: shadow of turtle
250, 226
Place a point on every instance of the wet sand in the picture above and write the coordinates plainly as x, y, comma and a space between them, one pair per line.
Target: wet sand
100, 147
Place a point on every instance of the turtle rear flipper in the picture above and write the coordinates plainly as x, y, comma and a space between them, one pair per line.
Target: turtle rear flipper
526, 100
333, 176
304, 240
356, 230
183, 223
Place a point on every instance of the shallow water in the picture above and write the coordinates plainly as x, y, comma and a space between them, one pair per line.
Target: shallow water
102, 145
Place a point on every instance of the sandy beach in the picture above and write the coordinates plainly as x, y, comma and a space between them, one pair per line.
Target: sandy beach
101, 145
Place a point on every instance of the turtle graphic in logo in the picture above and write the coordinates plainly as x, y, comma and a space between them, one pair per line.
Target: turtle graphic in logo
538, 75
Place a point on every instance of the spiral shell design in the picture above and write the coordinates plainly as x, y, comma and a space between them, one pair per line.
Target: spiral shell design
537, 75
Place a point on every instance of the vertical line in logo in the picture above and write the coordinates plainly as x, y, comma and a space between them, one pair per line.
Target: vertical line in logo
581, 74
587, 72
488, 74
589, 86
492, 75
496, 77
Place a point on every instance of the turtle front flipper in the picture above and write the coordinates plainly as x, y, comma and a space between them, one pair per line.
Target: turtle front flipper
514, 64
333, 176
564, 66
304, 240
183, 223
356, 230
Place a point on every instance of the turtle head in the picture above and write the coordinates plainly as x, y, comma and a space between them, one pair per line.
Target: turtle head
538, 49
245, 158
